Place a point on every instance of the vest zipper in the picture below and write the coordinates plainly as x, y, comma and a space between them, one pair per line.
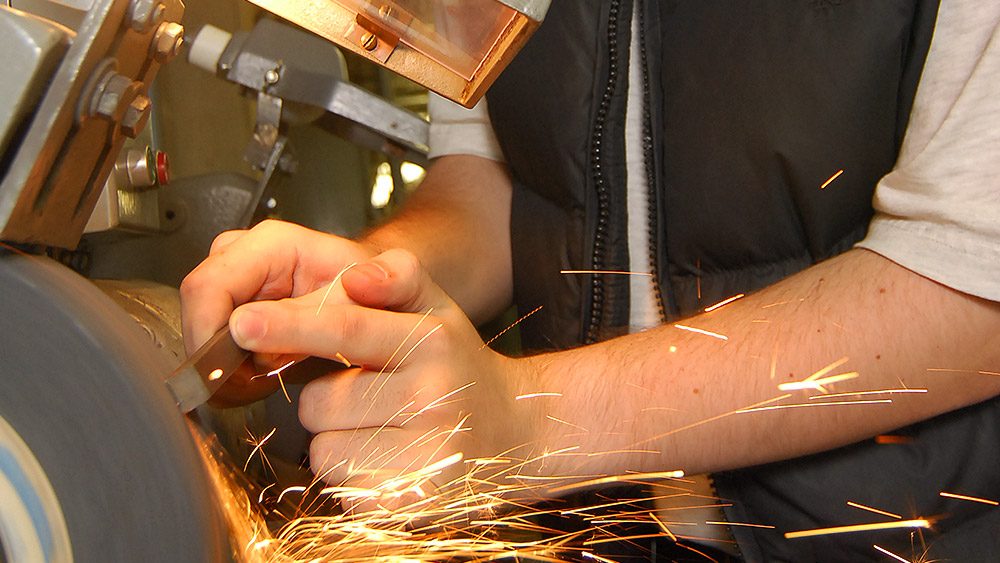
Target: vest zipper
652, 196
603, 214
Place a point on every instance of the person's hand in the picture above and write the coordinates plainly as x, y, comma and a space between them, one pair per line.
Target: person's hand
426, 390
273, 260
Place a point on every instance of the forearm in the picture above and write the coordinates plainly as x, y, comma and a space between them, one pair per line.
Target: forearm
673, 398
458, 224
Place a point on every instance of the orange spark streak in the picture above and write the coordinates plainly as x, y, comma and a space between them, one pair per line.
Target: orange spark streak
827, 369
977, 372
677, 474
832, 178
744, 524
973, 499
436, 402
803, 405
919, 523
892, 439
393, 357
663, 527
859, 393
340, 358
560, 421
296, 489
817, 383
333, 283
875, 510
259, 447
724, 302
612, 272
277, 373
702, 331
890, 554
711, 419
504, 331
536, 395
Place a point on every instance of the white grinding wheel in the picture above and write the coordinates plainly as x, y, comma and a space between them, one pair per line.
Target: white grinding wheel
81, 387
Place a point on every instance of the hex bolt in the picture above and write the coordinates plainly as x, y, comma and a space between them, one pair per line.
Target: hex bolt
144, 14
369, 41
167, 42
136, 116
113, 96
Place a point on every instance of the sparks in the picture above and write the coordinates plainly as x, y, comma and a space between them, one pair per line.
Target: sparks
803, 405
875, 510
890, 554
514, 324
724, 302
863, 393
702, 331
918, 523
973, 371
973, 499
744, 524
832, 178
536, 395
610, 272
676, 474
329, 288
817, 384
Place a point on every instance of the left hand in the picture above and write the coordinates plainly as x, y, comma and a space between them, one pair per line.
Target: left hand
426, 388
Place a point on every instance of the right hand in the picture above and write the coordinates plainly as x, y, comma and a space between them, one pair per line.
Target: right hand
273, 260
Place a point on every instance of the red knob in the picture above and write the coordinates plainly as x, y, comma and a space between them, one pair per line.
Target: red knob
162, 168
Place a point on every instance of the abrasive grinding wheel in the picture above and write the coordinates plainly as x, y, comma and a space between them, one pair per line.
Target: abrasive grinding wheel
96, 462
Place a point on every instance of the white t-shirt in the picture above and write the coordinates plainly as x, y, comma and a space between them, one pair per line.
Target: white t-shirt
937, 211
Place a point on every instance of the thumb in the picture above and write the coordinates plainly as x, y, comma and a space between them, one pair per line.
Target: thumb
394, 280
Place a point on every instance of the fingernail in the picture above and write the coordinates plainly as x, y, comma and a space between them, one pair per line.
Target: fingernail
372, 271
248, 326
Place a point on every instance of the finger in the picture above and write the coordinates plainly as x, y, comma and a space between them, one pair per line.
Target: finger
226, 238
386, 459
272, 260
365, 337
394, 280
355, 399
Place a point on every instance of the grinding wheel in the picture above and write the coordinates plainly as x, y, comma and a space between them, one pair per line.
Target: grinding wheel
95, 458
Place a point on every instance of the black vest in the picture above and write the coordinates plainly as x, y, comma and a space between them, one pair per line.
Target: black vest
751, 106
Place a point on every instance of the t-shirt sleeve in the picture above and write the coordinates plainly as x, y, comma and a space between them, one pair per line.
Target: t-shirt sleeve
938, 210
457, 130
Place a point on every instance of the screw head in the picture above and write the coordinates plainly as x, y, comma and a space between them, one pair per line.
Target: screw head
369, 41
272, 77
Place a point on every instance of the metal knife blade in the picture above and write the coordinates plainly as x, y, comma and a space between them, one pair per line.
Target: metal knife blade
205, 371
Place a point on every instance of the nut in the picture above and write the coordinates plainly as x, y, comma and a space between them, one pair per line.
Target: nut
167, 41
144, 14
113, 96
136, 116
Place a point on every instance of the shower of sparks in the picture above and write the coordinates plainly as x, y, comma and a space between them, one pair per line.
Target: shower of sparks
972, 371
818, 384
832, 178
536, 395
606, 272
805, 405
865, 393
216, 374
506, 330
918, 523
701, 553
890, 554
973, 499
875, 510
724, 302
702, 331
329, 288
392, 357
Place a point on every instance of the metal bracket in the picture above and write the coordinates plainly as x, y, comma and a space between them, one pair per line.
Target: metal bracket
374, 37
